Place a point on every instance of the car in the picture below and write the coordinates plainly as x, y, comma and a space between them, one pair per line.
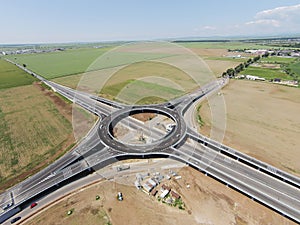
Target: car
15, 219
7, 206
33, 205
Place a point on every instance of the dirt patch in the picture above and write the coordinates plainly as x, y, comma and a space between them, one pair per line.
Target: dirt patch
64, 108
144, 116
206, 52
206, 200
219, 66
262, 121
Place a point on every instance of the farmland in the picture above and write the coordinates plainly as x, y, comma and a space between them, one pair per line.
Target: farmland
276, 59
295, 67
144, 79
12, 76
57, 64
35, 126
267, 73
140, 90
268, 116
75, 61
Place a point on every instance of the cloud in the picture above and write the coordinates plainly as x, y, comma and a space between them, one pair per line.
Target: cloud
277, 20
268, 22
285, 13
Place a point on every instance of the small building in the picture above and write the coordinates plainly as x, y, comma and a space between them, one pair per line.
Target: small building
153, 192
164, 193
152, 182
165, 187
147, 187
175, 195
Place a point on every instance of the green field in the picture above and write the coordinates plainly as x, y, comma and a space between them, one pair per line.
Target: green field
57, 64
266, 73
141, 92
75, 61
12, 76
295, 67
276, 59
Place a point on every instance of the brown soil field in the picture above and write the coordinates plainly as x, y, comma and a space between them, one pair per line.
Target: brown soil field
206, 202
207, 52
220, 66
262, 121
36, 129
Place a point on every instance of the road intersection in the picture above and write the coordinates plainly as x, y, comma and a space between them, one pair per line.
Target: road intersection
268, 185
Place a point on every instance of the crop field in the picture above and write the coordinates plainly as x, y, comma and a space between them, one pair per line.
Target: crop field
276, 59
158, 79
57, 64
150, 69
31, 130
295, 67
140, 91
75, 61
267, 73
12, 76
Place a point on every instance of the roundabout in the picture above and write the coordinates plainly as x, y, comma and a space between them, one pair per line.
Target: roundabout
172, 138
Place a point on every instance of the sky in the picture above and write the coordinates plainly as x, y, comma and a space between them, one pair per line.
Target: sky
44, 21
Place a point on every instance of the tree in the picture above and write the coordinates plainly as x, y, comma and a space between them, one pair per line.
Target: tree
230, 72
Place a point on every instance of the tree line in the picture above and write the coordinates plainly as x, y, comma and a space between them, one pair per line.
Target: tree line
231, 72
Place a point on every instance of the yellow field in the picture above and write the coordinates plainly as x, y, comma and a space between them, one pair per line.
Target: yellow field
32, 129
262, 121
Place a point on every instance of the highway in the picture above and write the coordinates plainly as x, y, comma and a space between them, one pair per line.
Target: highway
258, 180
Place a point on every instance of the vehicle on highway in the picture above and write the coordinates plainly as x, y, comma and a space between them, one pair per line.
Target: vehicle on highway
33, 205
15, 219
7, 206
